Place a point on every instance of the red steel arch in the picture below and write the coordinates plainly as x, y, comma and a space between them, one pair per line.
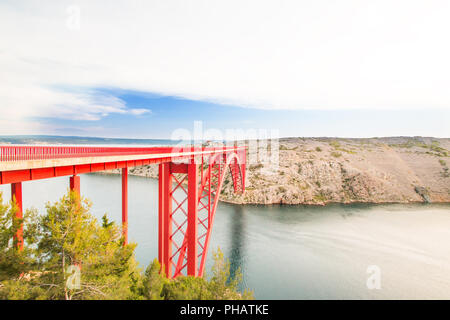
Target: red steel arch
187, 214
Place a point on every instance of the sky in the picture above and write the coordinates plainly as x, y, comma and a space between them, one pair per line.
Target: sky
143, 69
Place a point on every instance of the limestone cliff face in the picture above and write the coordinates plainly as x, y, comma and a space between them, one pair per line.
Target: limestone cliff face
323, 170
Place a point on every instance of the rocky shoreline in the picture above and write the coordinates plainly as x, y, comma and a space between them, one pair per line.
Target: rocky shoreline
319, 171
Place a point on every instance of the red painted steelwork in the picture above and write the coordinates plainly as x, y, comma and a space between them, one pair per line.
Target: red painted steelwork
125, 204
187, 208
18, 153
16, 195
165, 180
75, 184
161, 213
188, 192
192, 223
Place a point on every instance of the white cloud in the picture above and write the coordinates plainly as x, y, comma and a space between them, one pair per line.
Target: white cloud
266, 54
139, 112
27, 92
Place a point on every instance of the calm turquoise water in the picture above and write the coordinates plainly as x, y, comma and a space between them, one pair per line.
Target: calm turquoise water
296, 252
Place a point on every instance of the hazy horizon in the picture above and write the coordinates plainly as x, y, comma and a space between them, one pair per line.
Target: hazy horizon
4, 138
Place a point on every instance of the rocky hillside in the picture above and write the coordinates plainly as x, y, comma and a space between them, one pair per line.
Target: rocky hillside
323, 170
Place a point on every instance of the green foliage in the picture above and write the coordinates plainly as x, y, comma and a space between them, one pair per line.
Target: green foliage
320, 197
186, 288
439, 151
68, 235
335, 144
285, 148
154, 281
106, 223
256, 166
221, 286
21, 289
336, 154
434, 148
12, 261
337, 147
72, 236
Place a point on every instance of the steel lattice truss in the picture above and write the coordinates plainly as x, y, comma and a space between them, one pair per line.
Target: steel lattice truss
189, 194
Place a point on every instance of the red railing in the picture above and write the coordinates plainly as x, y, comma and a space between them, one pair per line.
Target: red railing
21, 153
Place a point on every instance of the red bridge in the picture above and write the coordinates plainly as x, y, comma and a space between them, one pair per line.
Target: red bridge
190, 181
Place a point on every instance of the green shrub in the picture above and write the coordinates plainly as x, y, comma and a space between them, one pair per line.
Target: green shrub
256, 166
220, 286
335, 144
320, 197
336, 154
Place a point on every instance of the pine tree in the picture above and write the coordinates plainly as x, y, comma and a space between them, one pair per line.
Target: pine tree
66, 238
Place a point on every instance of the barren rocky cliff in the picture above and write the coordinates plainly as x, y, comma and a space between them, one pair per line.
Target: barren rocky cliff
324, 170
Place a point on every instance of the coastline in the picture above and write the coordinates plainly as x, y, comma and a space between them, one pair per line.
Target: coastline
313, 204
321, 171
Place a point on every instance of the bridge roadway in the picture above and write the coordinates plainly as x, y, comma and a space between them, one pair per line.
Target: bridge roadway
23, 163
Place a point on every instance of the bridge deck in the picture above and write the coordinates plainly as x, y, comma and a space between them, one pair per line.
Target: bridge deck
23, 163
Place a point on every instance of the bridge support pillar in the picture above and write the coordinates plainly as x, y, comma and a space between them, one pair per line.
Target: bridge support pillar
167, 236
165, 218
192, 223
75, 184
16, 196
125, 204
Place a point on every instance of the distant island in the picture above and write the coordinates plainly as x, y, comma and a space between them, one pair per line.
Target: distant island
326, 170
